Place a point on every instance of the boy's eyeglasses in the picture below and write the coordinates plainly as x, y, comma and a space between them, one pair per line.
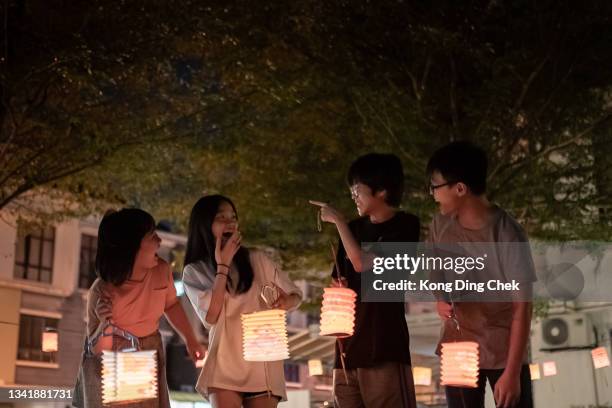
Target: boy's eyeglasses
434, 187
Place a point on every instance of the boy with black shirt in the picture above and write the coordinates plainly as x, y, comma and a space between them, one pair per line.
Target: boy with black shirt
458, 175
377, 356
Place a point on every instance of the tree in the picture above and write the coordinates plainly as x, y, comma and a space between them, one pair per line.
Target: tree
270, 103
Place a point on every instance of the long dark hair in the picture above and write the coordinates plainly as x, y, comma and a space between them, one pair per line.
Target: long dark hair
201, 242
119, 236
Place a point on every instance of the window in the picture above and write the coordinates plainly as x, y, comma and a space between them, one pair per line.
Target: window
31, 329
34, 255
87, 263
292, 372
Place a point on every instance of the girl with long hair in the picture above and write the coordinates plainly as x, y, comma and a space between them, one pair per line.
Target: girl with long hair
223, 280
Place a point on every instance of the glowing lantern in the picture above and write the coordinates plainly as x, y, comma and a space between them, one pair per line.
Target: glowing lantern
129, 376
338, 312
600, 357
534, 371
549, 368
421, 375
49, 341
460, 364
315, 367
264, 335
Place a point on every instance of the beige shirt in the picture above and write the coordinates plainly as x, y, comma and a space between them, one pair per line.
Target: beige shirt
224, 366
487, 323
137, 305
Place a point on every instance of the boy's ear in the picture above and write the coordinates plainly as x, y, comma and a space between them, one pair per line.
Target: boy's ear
381, 194
462, 189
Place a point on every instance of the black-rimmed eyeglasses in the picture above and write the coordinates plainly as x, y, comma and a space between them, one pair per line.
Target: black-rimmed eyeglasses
434, 187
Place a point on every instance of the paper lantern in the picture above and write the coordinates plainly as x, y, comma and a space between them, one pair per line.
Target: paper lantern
338, 312
129, 376
600, 357
315, 367
421, 375
534, 371
50, 341
549, 368
264, 335
460, 364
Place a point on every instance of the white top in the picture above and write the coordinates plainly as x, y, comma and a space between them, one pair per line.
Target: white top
224, 366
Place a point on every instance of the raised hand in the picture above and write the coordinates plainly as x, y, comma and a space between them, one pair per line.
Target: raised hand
328, 213
225, 254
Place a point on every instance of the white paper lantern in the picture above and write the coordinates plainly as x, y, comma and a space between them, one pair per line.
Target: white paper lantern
264, 335
534, 371
460, 364
129, 376
600, 357
549, 368
315, 367
50, 341
421, 375
338, 312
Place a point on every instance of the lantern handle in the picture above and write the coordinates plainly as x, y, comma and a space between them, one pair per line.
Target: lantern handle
115, 331
335, 255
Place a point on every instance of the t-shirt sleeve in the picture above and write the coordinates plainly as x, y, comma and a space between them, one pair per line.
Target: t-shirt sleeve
171, 298
92, 299
434, 274
516, 262
515, 253
198, 291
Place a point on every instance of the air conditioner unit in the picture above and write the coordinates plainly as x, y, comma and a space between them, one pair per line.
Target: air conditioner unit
561, 332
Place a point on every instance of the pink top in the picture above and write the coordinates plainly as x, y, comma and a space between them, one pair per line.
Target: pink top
137, 305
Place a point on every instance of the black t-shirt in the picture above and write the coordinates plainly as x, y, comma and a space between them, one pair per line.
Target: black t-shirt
381, 333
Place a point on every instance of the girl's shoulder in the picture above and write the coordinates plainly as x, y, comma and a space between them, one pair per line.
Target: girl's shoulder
97, 285
162, 265
198, 272
194, 267
259, 257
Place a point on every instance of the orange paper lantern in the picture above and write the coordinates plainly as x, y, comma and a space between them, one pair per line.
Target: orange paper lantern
549, 368
50, 341
421, 375
338, 312
128, 376
600, 357
315, 367
264, 335
534, 371
460, 364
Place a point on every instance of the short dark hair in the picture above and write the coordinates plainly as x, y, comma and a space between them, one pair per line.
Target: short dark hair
461, 162
379, 172
119, 236
201, 242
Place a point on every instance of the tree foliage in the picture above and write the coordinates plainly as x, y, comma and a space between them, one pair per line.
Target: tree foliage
154, 104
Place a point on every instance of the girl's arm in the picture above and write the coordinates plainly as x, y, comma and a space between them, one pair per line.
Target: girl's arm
218, 295
224, 257
178, 319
